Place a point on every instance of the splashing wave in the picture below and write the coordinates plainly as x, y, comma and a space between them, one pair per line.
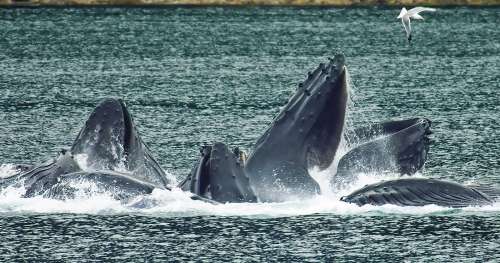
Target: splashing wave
178, 203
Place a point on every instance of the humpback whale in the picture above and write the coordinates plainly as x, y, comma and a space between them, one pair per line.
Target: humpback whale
423, 191
116, 158
110, 141
305, 134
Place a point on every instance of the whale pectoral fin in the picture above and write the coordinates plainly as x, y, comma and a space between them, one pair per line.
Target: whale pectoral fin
111, 141
418, 192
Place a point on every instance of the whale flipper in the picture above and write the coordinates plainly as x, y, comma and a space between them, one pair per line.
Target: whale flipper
110, 141
419, 192
305, 134
394, 146
219, 176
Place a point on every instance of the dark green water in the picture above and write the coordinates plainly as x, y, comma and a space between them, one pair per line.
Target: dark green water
198, 75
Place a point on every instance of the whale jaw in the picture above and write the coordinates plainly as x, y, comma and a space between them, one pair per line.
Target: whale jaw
305, 134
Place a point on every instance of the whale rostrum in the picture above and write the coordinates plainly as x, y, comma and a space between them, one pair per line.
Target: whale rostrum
306, 133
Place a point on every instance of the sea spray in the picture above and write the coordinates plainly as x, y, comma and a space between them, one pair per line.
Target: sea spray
7, 170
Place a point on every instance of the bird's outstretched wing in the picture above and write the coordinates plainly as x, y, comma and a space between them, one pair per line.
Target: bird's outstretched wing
417, 16
402, 13
414, 11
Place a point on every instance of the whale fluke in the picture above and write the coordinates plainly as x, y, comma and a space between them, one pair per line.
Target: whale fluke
219, 176
419, 192
393, 146
110, 141
306, 133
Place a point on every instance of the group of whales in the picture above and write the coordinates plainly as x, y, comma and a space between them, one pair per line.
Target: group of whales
306, 133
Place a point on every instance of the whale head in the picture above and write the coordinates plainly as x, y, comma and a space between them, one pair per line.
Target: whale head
110, 140
305, 134
219, 176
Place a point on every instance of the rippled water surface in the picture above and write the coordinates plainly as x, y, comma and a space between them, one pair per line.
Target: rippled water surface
192, 76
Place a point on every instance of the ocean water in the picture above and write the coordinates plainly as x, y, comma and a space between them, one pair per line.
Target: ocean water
194, 76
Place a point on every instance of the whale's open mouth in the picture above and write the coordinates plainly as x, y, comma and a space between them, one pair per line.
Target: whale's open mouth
306, 133
324, 137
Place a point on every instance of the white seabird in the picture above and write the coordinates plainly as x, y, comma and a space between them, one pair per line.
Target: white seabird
405, 16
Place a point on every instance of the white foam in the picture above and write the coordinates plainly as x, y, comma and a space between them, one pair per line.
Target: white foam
11, 200
7, 170
179, 203
81, 160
